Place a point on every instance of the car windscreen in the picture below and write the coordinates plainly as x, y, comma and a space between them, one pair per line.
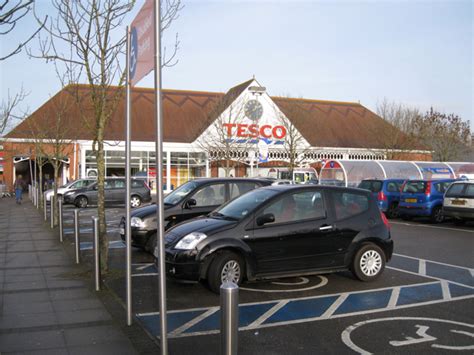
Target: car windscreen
243, 205
180, 193
415, 187
371, 185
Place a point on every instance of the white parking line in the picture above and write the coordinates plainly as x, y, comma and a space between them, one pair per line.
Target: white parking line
394, 297
445, 290
435, 227
268, 314
422, 267
428, 276
194, 321
437, 262
330, 311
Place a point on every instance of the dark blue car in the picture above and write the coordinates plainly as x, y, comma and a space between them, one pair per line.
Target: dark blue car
387, 193
423, 198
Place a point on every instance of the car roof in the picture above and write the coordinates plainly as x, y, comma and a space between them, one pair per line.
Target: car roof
312, 187
205, 180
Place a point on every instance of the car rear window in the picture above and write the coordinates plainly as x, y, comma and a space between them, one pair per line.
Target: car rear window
372, 185
455, 190
442, 186
347, 204
469, 191
137, 183
415, 187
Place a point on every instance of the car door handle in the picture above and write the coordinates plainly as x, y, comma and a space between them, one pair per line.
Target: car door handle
326, 228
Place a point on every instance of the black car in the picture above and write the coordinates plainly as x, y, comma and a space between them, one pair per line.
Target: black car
281, 231
194, 198
114, 192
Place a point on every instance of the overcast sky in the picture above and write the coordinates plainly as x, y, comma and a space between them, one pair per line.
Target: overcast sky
419, 53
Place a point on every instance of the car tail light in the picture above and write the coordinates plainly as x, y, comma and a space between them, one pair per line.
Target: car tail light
385, 220
428, 188
381, 196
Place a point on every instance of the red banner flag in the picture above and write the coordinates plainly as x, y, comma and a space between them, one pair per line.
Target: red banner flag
142, 43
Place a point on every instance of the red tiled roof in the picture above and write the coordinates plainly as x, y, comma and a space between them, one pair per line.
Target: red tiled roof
186, 114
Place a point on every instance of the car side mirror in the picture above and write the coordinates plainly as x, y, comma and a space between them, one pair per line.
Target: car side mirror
266, 218
190, 203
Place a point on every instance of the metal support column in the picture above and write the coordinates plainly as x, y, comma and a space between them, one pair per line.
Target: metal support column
96, 253
51, 210
60, 212
45, 205
76, 235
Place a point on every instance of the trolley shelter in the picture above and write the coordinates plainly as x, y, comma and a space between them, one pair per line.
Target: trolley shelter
352, 172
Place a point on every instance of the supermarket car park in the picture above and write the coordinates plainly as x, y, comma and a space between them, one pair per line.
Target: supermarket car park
422, 302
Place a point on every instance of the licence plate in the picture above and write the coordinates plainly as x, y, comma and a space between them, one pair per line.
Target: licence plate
410, 200
458, 202
122, 231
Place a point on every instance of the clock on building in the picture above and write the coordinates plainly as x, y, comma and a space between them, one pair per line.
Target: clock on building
253, 110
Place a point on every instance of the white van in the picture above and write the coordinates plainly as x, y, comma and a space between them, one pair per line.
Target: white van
458, 201
300, 175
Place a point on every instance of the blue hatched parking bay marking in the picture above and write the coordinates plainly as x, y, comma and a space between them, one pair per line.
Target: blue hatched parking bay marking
114, 244
451, 283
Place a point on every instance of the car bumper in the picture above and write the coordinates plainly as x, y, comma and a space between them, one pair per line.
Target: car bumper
414, 211
459, 213
139, 237
68, 200
182, 265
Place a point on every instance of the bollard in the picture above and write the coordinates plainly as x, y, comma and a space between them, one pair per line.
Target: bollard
51, 210
76, 235
37, 199
60, 212
96, 253
45, 207
229, 318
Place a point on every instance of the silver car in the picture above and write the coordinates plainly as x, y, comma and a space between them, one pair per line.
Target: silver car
73, 185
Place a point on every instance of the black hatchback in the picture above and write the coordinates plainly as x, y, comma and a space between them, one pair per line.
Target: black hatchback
193, 198
281, 231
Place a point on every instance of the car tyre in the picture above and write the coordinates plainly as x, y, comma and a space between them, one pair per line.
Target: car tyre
81, 202
437, 215
392, 211
226, 266
135, 201
368, 263
406, 217
151, 243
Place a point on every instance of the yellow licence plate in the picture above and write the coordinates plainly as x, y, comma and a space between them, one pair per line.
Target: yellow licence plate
459, 202
410, 200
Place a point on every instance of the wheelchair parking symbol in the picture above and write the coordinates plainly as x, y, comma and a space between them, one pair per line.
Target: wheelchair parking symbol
407, 333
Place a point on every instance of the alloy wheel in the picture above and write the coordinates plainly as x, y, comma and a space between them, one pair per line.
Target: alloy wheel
231, 272
370, 263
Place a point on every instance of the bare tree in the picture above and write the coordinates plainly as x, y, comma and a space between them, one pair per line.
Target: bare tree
295, 145
11, 12
9, 110
221, 144
399, 133
447, 135
86, 42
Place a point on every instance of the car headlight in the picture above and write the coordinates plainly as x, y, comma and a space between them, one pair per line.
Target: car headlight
190, 241
137, 222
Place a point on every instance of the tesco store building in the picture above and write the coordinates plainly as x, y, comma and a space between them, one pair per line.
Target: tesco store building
244, 132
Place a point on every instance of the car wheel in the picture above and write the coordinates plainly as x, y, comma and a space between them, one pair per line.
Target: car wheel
151, 243
81, 202
226, 266
437, 215
135, 201
406, 217
392, 211
368, 263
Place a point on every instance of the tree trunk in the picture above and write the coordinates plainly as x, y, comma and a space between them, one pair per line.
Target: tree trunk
55, 193
103, 239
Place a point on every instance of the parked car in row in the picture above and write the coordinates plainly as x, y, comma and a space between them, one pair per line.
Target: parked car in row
282, 231
72, 185
114, 190
194, 198
387, 193
423, 198
459, 201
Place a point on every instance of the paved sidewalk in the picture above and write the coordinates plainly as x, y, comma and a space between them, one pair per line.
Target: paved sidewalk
44, 307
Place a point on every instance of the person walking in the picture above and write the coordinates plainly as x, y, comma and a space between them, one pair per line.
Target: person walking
19, 185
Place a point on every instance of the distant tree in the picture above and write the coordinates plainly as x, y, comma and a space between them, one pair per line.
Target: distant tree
11, 12
86, 41
221, 144
9, 110
447, 135
399, 134
295, 145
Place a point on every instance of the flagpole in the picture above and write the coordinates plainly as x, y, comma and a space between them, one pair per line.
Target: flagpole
159, 184
128, 231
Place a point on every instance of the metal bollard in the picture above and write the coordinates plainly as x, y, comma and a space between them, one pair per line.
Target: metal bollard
96, 253
229, 318
60, 212
76, 235
45, 207
51, 210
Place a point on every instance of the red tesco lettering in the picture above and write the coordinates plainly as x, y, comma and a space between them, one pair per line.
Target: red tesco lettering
242, 130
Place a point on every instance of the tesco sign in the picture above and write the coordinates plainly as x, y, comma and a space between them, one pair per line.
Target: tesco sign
253, 130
